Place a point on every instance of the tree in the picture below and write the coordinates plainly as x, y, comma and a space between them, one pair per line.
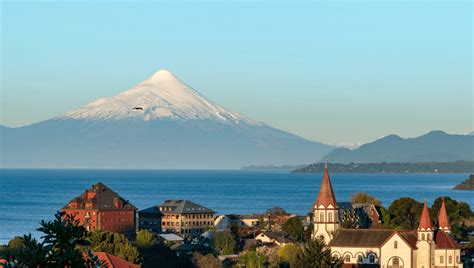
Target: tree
386, 217
252, 259
365, 199
289, 255
146, 239
115, 244
62, 242
276, 211
405, 213
316, 253
208, 261
224, 242
294, 228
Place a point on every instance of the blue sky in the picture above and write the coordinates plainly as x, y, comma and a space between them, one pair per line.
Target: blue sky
332, 71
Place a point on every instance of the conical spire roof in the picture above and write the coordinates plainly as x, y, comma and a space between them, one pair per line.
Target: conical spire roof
443, 220
326, 195
425, 222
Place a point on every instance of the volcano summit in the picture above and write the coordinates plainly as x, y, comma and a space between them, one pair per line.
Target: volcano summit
159, 123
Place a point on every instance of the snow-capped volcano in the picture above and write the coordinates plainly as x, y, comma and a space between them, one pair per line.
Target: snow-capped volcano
161, 96
159, 123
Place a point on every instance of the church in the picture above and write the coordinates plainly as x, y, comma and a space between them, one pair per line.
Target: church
426, 247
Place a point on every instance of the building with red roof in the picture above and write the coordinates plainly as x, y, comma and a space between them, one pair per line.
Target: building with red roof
110, 261
426, 247
100, 208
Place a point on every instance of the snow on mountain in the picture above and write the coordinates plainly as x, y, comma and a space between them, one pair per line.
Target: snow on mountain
161, 96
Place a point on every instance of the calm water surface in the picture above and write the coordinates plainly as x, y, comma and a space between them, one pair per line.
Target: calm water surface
28, 196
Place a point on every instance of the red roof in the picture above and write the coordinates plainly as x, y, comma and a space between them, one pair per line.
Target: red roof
326, 194
114, 262
425, 222
443, 221
445, 241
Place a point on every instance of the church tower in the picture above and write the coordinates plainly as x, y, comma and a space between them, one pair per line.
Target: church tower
325, 211
425, 240
443, 221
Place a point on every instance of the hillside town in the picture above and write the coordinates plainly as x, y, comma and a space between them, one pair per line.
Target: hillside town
181, 233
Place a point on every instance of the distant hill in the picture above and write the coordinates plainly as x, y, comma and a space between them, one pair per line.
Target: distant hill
435, 146
428, 167
468, 184
273, 167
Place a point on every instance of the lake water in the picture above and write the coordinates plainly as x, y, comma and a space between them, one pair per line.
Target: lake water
28, 196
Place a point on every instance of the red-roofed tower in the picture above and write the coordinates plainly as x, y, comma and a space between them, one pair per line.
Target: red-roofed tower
325, 211
443, 221
425, 239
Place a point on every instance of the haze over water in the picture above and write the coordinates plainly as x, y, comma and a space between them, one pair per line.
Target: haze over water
29, 196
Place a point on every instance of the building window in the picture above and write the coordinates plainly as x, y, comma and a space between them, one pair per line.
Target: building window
395, 244
457, 259
422, 236
359, 259
347, 258
371, 258
441, 259
330, 217
395, 262
450, 258
321, 217
428, 236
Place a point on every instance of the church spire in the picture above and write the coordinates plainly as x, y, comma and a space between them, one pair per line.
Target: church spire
443, 221
326, 195
425, 222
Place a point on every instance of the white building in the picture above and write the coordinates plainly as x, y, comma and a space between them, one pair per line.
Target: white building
426, 247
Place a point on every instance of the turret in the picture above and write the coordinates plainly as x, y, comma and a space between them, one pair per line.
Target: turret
325, 211
443, 221
425, 239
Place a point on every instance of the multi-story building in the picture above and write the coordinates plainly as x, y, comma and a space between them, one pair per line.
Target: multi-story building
100, 208
179, 216
426, 247
150, 219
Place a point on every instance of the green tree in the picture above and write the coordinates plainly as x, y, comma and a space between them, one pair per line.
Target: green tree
224, 242
115, 244
207, 261
405, 213
289, 255
276, 211
364, 198
386, 217
458, 214
62, 242
146, 239
294, 228
252, 259
316, 253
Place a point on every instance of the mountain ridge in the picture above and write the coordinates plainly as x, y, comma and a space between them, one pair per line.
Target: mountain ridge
436, 146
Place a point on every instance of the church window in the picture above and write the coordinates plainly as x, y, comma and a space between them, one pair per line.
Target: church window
330, 217
347, 258
371, 258
450, 259
422, 236
395, 244
428, 236
359, 259
395, 262
321, 217
441, 259
457, 259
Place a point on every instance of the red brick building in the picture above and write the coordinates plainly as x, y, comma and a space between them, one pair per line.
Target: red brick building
100, 208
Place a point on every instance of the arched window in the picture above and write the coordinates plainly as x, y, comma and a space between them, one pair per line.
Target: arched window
330, 217
347, 258
359, 258
422, 236
428, 236
321, 217
395, 244
395, 262
450, 258
441, 259
316, 217
371, 258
